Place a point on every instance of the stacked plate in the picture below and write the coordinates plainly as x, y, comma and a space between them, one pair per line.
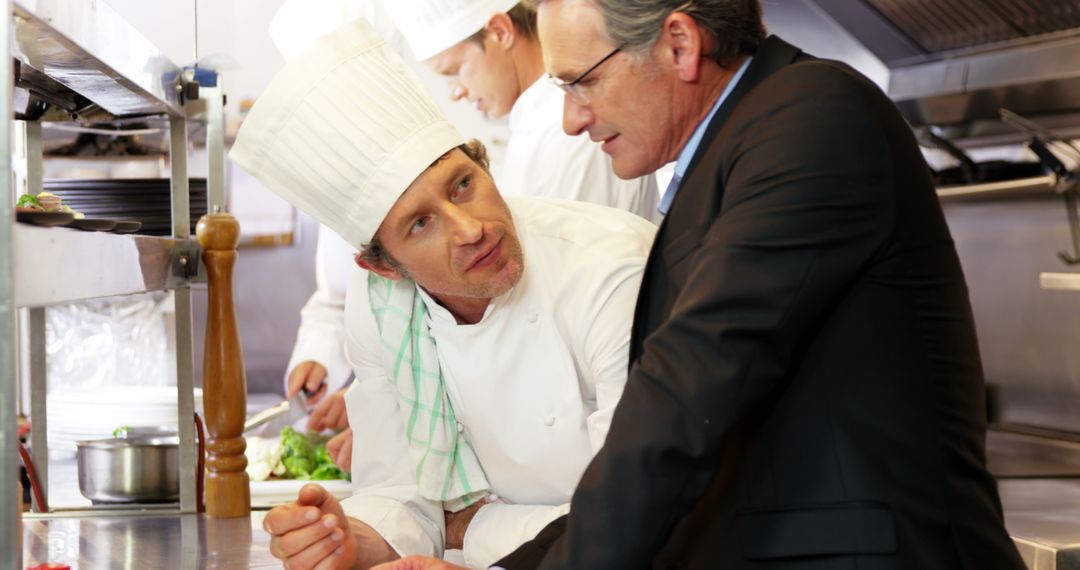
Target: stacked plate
267, 494
77, 415
146, 200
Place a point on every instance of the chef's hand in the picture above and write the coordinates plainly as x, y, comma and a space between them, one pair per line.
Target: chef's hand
340, 449
308, 374
419, 563
314, 533
329, 413
458, 523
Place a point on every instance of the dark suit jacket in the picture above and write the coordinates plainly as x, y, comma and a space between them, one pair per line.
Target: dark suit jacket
805, 388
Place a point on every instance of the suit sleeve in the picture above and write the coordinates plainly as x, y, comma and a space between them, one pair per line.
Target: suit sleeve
807, 201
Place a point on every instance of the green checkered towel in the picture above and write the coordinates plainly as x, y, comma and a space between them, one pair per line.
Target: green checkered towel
445, 465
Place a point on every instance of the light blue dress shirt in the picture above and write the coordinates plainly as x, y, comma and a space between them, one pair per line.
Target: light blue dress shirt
688, 151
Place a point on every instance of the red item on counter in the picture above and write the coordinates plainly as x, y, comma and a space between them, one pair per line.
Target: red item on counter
50, 566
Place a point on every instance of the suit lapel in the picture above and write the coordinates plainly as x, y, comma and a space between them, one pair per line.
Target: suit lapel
773, 54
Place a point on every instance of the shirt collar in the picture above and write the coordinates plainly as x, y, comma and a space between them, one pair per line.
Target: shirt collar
688, 151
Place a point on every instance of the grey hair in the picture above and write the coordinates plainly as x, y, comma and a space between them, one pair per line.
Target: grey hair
735, 25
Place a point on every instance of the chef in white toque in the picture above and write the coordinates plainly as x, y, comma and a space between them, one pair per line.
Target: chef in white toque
488, 337
489, 52
318, 365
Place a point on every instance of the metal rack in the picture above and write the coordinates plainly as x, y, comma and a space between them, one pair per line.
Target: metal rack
79, 61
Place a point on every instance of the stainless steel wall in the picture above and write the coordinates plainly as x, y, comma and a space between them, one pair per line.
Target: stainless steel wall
1029, 338
803, 24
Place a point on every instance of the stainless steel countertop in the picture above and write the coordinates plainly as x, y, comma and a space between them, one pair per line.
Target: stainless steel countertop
174, 541
1042, 515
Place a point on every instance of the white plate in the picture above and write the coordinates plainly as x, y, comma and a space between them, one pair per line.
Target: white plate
265, 494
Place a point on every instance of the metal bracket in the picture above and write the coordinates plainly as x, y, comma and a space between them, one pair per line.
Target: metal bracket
187, 87
1072, 211
1065, 180
185, 260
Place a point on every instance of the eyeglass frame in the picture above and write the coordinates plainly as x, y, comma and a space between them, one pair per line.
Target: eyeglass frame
570, 87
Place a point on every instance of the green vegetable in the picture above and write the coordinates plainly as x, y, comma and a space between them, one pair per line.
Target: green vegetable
121, 431
298, 467
296, 444
305, 457
328, 472
322, 456
28, 201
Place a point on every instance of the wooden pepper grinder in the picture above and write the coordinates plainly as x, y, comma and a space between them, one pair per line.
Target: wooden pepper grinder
224, 385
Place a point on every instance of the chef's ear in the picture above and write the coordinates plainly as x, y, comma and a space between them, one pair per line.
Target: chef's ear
500, 30
686, 41
380, 268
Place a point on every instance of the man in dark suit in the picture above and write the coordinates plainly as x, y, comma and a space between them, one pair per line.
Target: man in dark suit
805, 387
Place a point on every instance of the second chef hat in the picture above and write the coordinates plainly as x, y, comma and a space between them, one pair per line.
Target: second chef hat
342, 131
434, 26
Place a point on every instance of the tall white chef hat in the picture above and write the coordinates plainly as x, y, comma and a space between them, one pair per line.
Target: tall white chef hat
434, 26
342, 131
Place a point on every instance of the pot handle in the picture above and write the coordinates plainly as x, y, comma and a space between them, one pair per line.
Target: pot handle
200, 436
31, 473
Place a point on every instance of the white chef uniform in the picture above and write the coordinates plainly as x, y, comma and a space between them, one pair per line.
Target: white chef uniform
542, 160
321, 336
341, 132
533, 384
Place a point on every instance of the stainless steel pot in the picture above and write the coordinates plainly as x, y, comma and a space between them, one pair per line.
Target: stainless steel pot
132, 469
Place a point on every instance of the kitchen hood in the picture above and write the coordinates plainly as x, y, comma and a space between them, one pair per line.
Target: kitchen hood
955, 63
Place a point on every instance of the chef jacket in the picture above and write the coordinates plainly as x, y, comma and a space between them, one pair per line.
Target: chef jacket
542, 160
321, 336
533, 383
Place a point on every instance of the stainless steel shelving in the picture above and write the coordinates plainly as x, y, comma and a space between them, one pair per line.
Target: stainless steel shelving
87, 47
90, 65
10, 496
59, 265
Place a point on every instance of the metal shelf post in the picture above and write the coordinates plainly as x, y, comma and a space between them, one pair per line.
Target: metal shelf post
10, 493
185, 353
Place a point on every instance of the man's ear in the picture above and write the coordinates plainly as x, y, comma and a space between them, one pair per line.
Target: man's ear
684, 37
500, 30
382, 270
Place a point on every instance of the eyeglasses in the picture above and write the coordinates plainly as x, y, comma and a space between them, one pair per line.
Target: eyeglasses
573, 88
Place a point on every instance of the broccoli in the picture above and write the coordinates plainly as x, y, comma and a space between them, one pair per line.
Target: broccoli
328, 472
298, 467
304, 456
322, 456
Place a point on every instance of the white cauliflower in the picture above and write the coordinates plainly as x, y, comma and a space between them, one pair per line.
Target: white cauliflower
264, 457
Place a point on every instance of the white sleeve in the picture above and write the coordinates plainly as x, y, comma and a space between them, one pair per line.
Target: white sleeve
321, 337
385, 495
607, 344
498, 529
